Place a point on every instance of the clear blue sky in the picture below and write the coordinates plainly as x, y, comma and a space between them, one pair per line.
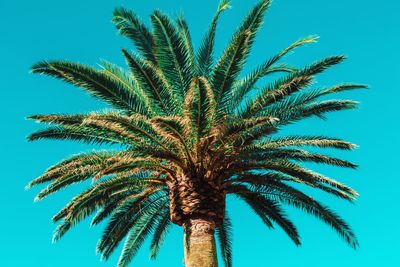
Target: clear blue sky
366, 31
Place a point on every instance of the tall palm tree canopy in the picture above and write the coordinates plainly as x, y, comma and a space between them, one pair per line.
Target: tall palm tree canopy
191, 128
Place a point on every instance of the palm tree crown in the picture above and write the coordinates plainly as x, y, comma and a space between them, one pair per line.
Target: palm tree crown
191, 130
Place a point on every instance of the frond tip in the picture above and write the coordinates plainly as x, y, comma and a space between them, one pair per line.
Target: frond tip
224, 4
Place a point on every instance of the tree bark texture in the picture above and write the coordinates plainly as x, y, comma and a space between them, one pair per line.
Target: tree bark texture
199, 243
195, 197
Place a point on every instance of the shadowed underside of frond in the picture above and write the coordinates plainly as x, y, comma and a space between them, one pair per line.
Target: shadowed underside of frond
191, 129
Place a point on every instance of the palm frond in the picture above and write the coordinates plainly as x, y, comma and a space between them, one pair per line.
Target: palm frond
296, 81
81, 134
184, 35
235, 54
96, 82
171, 53
301, 175
341, 88
270, 209
321, 65
205, 53
73, 162
154, 84
316, 141
106, 211
274, 93
161, 229
317, 109
131, 130
286, 194
229, 67
243, 86
224, 233
129, 25
91, 200
297, 155
254, 205
124, 79
254, 19
138, 233
117, 187
124, 218
71, 176
199, 108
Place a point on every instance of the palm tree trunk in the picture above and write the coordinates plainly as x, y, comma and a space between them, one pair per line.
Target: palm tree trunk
199, 243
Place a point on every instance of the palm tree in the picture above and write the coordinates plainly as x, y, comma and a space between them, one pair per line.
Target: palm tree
185, 131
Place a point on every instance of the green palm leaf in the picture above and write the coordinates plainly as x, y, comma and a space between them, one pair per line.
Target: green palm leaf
153, 83
243, 86
171, 53
137, 235
224, 233
205, 54
96, 82
160, 231
271, 210
129, 25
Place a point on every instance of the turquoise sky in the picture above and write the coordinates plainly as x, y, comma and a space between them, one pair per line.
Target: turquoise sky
366, 31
